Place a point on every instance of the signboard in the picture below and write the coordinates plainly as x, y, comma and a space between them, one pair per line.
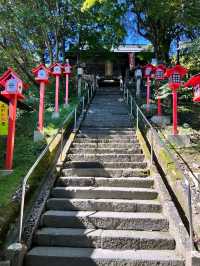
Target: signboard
57, 70
131, 59
42, 74
11, 85
3, 119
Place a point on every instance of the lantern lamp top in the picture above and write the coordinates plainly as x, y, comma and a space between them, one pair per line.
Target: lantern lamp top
175, 74
178, 69
67, 67
56, 69
41, 73
8, 74
159, 72
193, 81
148, 69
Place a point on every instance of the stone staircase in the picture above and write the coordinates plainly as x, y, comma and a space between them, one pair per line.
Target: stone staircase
103, 209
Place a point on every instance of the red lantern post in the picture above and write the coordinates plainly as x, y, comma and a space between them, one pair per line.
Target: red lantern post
194, 82
175, 75
147, 74
159, 75
41, 76
67, 72
56, 70
13, 92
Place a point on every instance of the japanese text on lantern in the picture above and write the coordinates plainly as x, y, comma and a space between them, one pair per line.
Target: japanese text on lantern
3, 119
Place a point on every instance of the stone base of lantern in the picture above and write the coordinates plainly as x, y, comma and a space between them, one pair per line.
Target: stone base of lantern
151, 106
38, 136
161, 120
5, 172
180, 141
55, 115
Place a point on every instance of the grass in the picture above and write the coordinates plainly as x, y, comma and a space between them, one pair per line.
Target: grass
26, 151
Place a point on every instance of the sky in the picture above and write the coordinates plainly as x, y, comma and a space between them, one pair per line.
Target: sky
132, 36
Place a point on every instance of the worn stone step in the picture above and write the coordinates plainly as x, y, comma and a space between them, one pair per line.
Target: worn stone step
108, 131
106, 239
107, 182
79, 164
106, 157
105, 140
114, 130
106, 150
104, 192
108, 119
118, 205
106, 136
106, 145
105, 220
105, 172
62, 256
95, 124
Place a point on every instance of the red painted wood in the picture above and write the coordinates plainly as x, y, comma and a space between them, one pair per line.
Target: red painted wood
57, 94
67, 89
41, 107
11, 132
174, 94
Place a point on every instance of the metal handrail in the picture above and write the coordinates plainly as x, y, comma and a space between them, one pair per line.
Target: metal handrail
155, 133
43, 153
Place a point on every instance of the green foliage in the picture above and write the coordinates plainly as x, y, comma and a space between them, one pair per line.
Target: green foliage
162, 22
30, 30
190, 56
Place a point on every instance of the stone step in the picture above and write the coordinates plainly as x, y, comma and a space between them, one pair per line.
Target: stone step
105, 172
106, 150
104, 192
106, 140
105, 220
95, 124
106, 145
108, 118
79, 164
137, 182
106, 136
117, 129
106, 239
65, 256
119, 205
107, 132
106, 157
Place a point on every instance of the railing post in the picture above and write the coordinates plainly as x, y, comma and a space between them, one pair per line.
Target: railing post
61, 144
75, 118
190, 213
22, 211
151, 143
83, 104
131, 105
88, 95
137, 118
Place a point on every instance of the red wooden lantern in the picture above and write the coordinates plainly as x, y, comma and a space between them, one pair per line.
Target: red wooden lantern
56, 70
159, 75
148, 71
67, 72
41, 76
159, 72
13, 87
175, 75
195, 83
